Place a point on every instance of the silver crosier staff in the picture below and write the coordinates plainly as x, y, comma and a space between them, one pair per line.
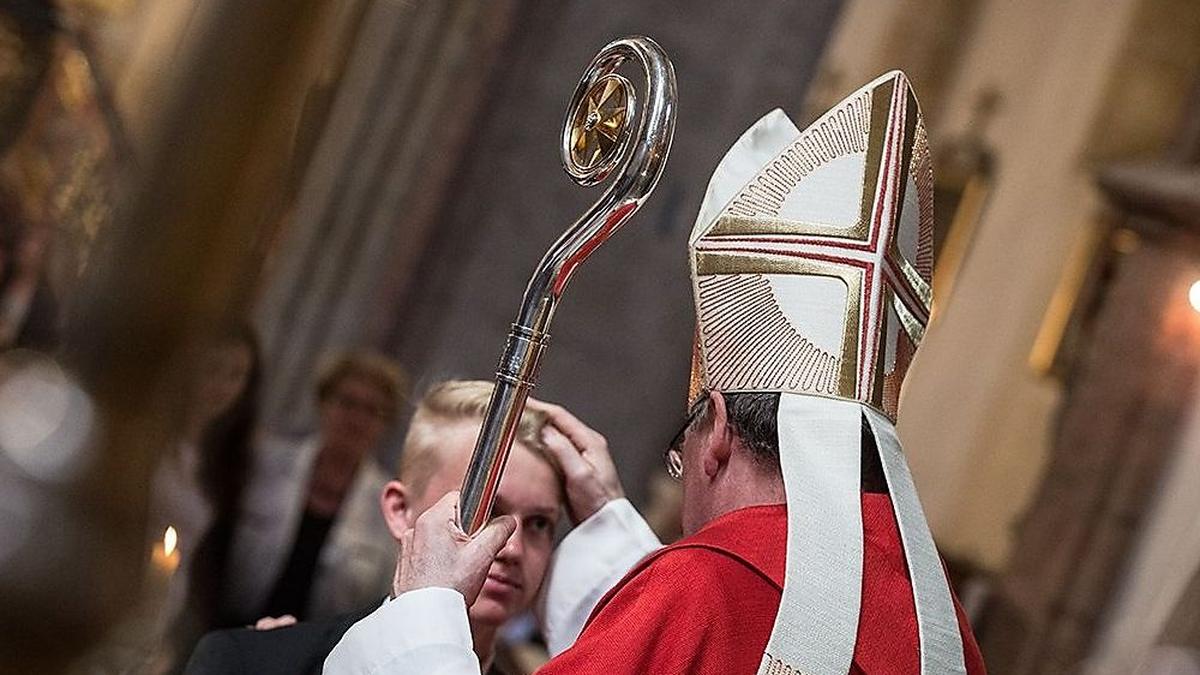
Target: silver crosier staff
597, 137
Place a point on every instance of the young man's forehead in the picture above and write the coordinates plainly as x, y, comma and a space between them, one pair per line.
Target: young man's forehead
447, 445
544, 488
547, 504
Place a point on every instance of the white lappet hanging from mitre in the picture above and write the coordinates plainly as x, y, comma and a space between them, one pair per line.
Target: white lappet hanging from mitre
811, 262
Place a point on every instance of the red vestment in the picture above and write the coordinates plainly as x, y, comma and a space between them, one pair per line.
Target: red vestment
707, 603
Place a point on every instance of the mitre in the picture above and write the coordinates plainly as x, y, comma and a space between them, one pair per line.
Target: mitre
811, 262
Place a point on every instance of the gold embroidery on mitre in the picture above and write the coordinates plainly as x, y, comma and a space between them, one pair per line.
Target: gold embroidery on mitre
911, 324
921, 168
916, 164
696, 376
728, 263
751, 344
888, 400
840, 132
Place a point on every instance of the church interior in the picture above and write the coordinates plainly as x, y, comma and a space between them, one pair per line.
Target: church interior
383, 175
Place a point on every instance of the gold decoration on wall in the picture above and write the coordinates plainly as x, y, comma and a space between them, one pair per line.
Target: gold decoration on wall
66, 165
1073, 302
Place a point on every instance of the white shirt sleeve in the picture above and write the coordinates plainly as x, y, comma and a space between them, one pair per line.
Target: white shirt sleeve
590, 561
420, 632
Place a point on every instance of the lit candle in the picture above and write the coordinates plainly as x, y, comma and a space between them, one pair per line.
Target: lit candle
164, 559
154, 613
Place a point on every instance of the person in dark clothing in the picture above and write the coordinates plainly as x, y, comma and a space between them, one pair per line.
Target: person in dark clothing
299, 649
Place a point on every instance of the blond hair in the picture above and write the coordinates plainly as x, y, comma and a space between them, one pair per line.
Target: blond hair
454, 401
382, 371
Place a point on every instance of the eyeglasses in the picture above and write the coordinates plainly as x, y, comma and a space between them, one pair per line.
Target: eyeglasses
673, 457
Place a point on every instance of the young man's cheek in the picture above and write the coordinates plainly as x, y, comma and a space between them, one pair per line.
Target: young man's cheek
537, 562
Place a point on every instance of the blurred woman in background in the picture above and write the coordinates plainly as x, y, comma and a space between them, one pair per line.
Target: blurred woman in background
311, 540
199, 482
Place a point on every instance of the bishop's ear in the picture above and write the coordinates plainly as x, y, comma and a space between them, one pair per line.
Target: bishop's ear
396, 504
717, 445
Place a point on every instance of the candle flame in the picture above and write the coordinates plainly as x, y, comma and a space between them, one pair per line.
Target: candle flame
170, 540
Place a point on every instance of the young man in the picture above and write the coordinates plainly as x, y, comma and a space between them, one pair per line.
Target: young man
806, 548
436, 451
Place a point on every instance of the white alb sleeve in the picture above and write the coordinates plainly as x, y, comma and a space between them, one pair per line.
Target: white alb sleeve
590, 561
420, 632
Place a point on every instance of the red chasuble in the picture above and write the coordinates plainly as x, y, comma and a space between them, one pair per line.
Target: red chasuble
707, 603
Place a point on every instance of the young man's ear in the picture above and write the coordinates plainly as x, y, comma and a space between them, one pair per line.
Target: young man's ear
718, 442
396, 504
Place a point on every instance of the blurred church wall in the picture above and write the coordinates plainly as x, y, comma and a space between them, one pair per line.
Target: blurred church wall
398, 123
168, 141
1158, 597
1046, 416
1071, 92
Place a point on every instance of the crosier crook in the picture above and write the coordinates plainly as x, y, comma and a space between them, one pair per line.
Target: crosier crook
596, 138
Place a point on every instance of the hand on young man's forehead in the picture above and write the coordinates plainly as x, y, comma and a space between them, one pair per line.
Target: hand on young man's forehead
529, 481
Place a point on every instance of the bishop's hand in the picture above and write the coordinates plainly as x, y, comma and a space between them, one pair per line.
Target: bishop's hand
436, 551
582, 453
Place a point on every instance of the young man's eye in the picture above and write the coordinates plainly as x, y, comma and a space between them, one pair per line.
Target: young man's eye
540, 524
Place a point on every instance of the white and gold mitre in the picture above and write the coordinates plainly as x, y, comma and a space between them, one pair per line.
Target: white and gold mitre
811, 264
813, 276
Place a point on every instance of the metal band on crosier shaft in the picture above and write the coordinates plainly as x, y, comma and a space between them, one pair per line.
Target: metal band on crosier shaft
596, 139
